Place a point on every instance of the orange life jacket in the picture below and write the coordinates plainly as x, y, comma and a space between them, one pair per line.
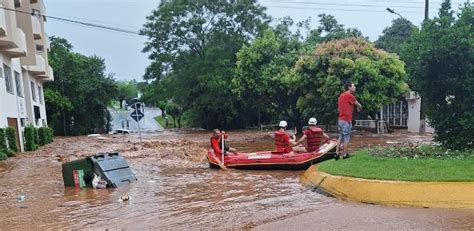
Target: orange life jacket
282, 142
216, 140
314, 136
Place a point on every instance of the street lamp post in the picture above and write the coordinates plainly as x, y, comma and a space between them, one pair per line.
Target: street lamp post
392, 11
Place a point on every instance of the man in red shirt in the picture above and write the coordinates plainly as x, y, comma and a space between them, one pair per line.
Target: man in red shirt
216, 143
345, 104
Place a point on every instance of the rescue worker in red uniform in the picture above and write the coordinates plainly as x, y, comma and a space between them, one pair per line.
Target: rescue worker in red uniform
313, 136
283, 142
216, 140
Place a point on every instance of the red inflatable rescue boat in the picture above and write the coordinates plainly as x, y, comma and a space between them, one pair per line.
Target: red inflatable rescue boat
274, 160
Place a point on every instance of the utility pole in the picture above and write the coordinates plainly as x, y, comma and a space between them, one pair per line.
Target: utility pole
422, 103
427, 6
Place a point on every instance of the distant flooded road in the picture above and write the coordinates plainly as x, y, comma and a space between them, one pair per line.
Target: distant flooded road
177, 190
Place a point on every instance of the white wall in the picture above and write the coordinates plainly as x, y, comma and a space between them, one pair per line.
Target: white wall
11, 105
414, 107
414, 123
27, 79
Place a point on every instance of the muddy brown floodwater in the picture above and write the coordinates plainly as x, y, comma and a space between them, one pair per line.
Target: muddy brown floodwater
176, 190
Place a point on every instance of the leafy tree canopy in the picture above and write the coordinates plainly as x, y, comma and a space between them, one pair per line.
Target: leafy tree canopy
77, 100
192, 45
379, 76
126, 90
266, 68
395, 36
441, 58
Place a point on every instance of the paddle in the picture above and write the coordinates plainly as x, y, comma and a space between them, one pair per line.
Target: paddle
221, 164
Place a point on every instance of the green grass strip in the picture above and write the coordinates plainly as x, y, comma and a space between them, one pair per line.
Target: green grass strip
386, 168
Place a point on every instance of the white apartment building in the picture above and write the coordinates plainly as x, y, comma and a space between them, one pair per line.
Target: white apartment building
24, 67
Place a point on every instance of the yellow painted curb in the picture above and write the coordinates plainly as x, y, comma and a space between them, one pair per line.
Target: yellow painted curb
386, 192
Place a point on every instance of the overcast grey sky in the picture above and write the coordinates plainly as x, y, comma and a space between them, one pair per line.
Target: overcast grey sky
122, 52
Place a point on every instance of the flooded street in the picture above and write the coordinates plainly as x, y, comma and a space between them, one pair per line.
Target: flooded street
177, 190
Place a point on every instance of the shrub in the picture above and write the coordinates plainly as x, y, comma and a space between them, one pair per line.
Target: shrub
11, 137
8, 152
45, 136
49, 135
36, 136
42, 136
3, 139
3, 156
30, 138
414, 151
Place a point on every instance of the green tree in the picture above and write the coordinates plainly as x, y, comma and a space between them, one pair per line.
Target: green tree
176, 112
126, 90
265, 68
329, 29
57, 105
155, 94
78, 98
264, 72
379, 76
192, 45
441, 58
395, 36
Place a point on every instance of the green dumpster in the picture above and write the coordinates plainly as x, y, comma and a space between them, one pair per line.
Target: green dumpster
110, 167
78, 173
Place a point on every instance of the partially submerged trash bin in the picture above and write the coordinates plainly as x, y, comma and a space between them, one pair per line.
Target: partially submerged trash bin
78, 173
111, 167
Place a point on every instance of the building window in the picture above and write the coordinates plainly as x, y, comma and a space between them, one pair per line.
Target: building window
40, 95
23, 122
39, 48
17, 3
19, 90
8, 78
33, 91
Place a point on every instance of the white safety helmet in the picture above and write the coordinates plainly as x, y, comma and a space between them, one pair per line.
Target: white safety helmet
283, 124
312, 121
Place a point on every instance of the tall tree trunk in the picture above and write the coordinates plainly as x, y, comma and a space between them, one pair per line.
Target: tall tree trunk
120, 102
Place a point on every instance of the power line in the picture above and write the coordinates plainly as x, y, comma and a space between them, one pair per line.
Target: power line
408, 2
99, 22
75, 21
344, 4
334, 9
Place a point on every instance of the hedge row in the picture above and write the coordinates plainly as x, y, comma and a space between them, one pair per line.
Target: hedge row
7, 143
36, 137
